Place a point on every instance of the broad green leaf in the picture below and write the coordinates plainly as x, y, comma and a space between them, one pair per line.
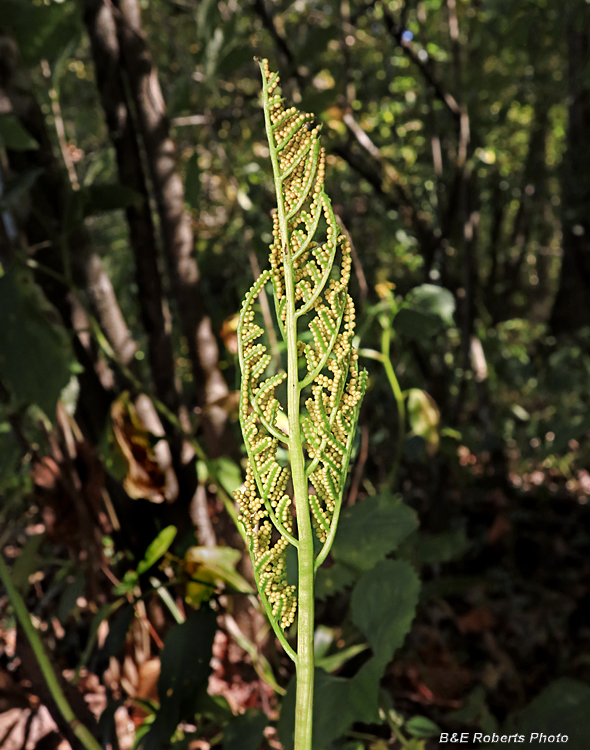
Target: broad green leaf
383, 605
330, 581
364, 690
245, 732
420, 726
426, 310
14, 136
562, 708
35, 355
157, 549
416, 325
434, 300
184, 673
371, 529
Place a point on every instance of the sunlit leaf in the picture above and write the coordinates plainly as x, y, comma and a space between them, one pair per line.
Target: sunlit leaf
157, 549
424, 418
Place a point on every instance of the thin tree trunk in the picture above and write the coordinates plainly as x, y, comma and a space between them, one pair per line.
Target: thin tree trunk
105, 49
571, 309
177, 233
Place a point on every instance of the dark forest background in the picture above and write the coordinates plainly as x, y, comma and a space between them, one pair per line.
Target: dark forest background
135, 199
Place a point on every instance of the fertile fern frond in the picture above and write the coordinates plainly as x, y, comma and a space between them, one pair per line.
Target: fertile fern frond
310, 270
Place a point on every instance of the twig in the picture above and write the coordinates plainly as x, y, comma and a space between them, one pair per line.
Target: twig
396, 31
191, 120
60, 128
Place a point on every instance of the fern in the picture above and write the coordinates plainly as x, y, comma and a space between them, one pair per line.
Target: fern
310, 270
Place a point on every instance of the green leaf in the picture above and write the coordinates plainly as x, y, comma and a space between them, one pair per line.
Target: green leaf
424, 418
184, 673
371, 529
330, 581
192, 182
157, 548
562, 708
426, 310
35, 355
383, 605
229, 474
334, 661
420, 726
14, 136
245, 732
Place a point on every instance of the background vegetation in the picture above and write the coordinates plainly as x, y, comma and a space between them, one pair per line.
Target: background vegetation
135, 194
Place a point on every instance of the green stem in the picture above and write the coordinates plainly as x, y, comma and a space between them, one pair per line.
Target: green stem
20, 610
399, 398
305, 555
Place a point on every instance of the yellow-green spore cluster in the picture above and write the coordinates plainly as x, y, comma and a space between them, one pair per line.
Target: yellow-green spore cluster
269, 559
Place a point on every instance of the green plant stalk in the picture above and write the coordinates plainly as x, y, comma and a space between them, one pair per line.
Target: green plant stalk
20, 610
399, 399
307, 284
305, 552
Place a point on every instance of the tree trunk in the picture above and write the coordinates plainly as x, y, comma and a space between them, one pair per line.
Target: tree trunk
177, 232
571, 309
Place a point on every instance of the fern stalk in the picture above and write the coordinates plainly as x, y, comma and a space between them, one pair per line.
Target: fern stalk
315, 316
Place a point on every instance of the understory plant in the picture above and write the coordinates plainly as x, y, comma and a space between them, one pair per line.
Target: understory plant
298, 426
